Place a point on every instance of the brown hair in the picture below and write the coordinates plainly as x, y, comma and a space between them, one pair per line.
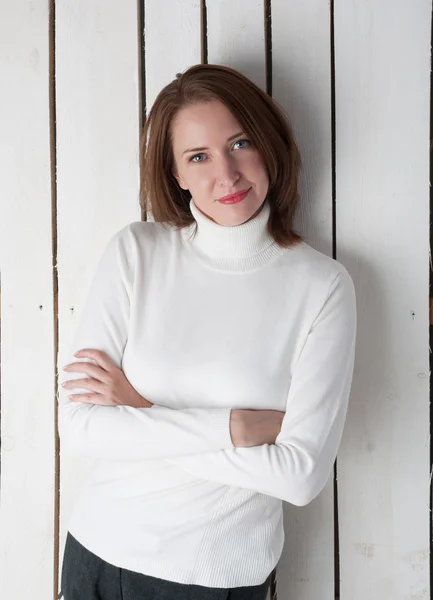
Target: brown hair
262, 120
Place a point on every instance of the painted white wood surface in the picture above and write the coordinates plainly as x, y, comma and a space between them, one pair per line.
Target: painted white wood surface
172, 41
173, 32
97, 76
27, 324
382, 122
236, 37
301, 84
382, 99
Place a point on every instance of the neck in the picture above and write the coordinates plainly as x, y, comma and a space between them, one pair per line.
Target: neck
238, 248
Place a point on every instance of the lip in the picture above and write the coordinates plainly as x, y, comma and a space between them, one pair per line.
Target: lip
234, 198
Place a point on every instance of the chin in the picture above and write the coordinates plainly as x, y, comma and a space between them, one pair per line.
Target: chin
236, 214
236, 221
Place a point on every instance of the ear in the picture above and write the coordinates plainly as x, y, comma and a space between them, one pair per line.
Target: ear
180, 181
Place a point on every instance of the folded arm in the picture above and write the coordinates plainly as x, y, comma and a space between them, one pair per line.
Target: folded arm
298, 466
123, 432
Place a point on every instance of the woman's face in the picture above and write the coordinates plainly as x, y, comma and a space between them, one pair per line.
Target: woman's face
213, 158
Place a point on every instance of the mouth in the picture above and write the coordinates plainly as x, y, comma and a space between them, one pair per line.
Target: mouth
234, 198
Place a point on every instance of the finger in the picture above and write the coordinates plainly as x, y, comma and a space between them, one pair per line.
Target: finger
90, 399
90, 369
88, 384
99, 356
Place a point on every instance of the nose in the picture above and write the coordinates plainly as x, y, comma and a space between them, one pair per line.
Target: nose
227, 173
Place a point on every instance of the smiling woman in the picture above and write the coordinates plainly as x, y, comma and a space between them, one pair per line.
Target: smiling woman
214, 137
227, 179
224, 350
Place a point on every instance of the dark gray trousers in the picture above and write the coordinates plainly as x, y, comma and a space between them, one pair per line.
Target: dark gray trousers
87, 577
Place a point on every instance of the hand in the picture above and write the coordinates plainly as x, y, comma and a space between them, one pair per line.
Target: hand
108, 383
255, 427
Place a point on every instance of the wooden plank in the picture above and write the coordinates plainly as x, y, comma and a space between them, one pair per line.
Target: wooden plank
27, 327
236, 37
98, 116
382, 62
172, 41
301, 84
176, 21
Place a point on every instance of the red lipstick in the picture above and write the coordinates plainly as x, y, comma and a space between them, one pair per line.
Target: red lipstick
234, 198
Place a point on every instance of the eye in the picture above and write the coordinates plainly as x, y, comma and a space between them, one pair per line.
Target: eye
247, 142
195, 156
198, 158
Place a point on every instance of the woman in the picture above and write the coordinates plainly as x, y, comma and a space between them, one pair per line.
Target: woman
216, 353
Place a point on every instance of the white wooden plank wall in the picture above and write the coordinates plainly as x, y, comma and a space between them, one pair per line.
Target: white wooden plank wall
382, 69
301, 83
236, 37
382, 109
27, 322
172, 44
97, 99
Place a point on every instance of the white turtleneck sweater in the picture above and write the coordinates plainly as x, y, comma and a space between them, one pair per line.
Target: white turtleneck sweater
201, 325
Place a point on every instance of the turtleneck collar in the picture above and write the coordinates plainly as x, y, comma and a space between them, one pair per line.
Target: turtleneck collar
237, 248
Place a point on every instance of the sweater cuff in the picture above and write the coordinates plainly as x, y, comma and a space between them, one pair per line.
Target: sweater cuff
216, 426
221, 427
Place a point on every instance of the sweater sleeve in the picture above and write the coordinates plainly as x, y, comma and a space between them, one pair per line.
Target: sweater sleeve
123, 432
297, 467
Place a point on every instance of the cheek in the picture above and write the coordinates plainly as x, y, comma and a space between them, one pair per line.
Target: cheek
258, 163
256, 167
199, 178
250, 160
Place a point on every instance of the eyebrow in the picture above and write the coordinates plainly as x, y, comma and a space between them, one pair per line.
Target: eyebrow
232, 137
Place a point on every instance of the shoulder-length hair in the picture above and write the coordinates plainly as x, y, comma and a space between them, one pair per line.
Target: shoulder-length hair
261, 119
